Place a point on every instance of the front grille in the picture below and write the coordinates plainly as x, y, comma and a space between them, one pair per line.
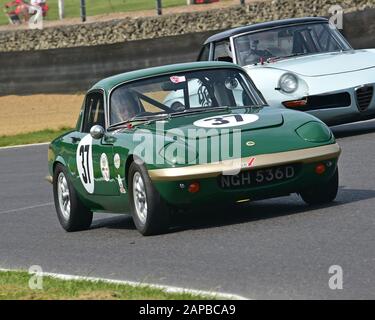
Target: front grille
364, 97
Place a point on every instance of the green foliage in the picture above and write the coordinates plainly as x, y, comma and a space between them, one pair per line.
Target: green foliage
14, 285
31, 137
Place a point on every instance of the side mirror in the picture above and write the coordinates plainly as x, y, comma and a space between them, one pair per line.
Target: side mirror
97, 132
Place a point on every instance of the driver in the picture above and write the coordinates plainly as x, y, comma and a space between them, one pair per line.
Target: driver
255, 54
124, 106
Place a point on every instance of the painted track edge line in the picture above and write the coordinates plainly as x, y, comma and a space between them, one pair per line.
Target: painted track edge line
24, 145
166, 288
27, 208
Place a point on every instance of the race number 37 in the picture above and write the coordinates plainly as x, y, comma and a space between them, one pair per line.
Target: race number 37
85, 164
84, 151
226, 121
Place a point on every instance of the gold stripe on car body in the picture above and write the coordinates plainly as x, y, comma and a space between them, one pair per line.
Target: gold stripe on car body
210, 170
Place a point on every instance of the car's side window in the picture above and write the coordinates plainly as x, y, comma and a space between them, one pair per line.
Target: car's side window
223, 51
324, 39
94, 111
204, 55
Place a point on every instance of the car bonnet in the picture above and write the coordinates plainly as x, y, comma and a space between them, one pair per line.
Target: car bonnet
328, 63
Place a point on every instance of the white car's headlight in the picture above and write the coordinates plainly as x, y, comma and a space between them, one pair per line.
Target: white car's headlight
288, 83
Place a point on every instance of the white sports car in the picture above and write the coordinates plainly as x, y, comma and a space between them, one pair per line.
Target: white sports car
304, 64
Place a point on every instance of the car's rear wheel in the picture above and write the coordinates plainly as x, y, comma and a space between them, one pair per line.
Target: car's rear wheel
322, 194
71, 212
150, 212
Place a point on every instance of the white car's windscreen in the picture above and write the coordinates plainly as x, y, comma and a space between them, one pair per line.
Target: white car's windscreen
288, 41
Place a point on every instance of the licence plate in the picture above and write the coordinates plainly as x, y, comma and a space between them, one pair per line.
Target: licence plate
251, 178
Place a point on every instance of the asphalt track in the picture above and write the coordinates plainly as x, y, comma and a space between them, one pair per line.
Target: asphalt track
271, 249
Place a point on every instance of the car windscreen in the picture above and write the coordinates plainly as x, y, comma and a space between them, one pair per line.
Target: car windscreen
182, 91
288, 41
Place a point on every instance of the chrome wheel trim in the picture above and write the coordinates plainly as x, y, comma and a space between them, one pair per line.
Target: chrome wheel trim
140, 197
63, 195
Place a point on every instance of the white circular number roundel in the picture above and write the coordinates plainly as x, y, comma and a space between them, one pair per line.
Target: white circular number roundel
226, 121
104, 167
84, 163
117, 161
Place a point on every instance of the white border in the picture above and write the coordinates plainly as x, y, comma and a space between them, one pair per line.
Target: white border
24, 145
27, 208
165, 288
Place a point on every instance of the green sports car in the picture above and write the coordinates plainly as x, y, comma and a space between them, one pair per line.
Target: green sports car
135, 150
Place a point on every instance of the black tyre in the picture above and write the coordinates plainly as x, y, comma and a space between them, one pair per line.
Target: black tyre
324, 193
150, 212
72, 214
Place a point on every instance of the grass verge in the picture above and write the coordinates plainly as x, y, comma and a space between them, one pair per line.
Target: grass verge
31, 137
14, 285
96, 7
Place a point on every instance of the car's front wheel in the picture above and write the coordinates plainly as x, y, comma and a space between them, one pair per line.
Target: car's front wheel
322, 194
150, 212
71, 212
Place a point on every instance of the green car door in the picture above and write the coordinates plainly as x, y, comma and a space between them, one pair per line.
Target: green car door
94, 157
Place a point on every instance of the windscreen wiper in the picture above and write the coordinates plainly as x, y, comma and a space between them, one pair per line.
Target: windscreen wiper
140, 119
250, 106
272, 59
198, 110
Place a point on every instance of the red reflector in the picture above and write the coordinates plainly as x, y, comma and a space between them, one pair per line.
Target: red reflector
295, 103
320, 169
194, 187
